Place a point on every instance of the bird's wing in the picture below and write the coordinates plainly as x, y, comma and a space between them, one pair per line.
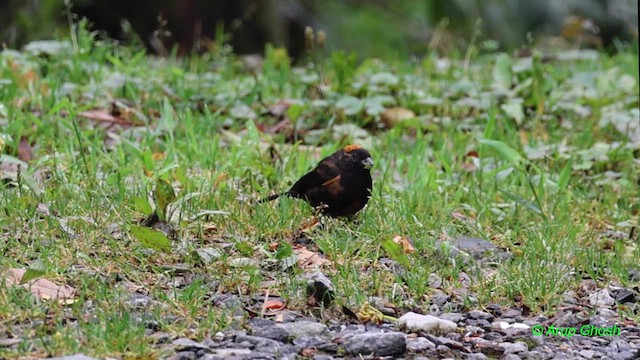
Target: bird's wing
326, 174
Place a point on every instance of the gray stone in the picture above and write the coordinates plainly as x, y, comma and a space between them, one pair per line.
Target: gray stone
451, 344
187, 344
434, 281
514, 348
258, 342
320, 288
512, 313
73, 357
139, 301
440, 299
376, 343
455, 317
566, 320
476, 356
626, 355
309, 342
284, 331
601, 299
322, 357
607, 313
625, 295
185, 355
511, 357
587, 354
480, 315
9, 342
419, 344
227, 353
272, 332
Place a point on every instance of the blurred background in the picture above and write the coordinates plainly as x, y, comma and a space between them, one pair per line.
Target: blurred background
372, 28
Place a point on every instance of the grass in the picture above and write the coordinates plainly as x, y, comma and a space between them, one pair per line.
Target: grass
566, 216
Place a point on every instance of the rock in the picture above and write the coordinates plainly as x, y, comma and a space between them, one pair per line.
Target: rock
187, 344
185, 355
512, 313
434, 281
376, 343
228, 353
626, 355
440, 299
601, 299
511, 357
309, 342
476, 356
566, 320
494, 309
625, 295
73, 357
272, 332
300, 329
139, 301
514, 348
320, 288
383, 305
419, 344
426, 323
454, 317
607, 313
587, 354
9, 342
259, 342
480, 315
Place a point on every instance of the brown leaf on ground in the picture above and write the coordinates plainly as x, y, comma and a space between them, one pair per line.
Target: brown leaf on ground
405, 242
309, 259
42, 288
105, 116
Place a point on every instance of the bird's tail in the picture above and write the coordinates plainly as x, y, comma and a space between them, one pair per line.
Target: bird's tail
270, 198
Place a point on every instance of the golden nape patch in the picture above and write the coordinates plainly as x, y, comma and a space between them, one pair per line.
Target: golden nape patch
350, 148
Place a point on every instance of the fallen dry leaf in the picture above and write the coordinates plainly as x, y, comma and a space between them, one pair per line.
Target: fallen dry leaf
405, 242
309, 259
105, 116
42, 288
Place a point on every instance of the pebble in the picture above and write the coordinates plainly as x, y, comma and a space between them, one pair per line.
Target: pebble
425, 323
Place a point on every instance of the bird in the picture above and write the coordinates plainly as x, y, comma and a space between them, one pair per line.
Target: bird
339, 186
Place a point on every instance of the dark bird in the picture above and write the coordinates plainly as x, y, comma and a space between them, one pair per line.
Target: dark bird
340, 185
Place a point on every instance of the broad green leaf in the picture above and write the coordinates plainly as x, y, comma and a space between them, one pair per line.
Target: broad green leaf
36, 270
396, 252
152, 238
284, 250
142, 205
294, 111
504, 150
163, 196
31, 274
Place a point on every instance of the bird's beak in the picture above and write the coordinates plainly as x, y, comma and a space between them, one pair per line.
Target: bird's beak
367, 163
